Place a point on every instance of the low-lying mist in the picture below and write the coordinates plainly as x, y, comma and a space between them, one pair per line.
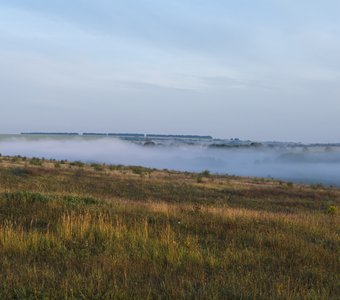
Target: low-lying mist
315, 165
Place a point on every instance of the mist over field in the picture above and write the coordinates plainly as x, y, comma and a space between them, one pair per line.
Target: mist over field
306, 165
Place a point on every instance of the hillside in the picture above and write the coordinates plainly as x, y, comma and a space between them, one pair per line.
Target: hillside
90, 231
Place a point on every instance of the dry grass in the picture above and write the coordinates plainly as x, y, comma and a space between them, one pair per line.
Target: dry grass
115, 233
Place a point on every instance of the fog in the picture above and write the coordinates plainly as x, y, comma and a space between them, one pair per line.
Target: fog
306, 165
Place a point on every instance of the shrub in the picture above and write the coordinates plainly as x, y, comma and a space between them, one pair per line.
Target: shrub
20, 172
317, 186
205, 173
97, 167
138, 170
332, 210
77, 164
36, 161
14, 159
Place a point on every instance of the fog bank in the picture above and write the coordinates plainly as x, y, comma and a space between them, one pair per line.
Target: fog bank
315, 165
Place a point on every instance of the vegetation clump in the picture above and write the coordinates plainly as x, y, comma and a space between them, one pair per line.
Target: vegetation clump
36, 161
77, 200
20, 171
199, 179
97, 167
332, 210
77, 163
205, 173
24, 196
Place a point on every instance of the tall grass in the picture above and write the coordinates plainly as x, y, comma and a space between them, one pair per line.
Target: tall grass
64, 236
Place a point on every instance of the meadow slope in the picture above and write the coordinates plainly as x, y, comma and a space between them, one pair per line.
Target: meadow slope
90, 231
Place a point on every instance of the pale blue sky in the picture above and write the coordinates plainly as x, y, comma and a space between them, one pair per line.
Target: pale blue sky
261, 70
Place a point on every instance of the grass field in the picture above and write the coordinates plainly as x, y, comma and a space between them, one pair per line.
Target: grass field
90, 231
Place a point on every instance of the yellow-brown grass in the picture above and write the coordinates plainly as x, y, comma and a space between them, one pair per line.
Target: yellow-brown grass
77, 233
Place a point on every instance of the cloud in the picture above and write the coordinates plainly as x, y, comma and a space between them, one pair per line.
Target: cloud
217, 66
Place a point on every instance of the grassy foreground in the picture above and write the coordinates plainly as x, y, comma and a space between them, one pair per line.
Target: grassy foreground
75, 231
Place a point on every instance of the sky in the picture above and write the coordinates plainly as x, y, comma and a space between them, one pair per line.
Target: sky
259, 70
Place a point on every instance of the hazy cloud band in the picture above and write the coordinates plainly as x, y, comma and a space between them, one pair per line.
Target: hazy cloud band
314, 166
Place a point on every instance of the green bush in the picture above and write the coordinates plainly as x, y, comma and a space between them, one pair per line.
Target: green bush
77, 164
97, 167
36, 161
205, 173
290, 184
137, 170
332, 210
20, 172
